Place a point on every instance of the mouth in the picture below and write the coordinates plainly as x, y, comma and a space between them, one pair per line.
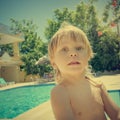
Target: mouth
74, 63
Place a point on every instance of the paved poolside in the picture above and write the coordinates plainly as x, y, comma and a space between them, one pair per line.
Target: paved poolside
41, 112
44, 111
112, 82
16, 85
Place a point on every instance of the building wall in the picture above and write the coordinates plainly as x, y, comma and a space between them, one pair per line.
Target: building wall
22, 75
10, 73
0, 71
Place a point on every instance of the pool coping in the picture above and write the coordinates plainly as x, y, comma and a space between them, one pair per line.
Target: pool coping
22, 85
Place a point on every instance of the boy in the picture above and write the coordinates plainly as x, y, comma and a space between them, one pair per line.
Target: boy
77, 96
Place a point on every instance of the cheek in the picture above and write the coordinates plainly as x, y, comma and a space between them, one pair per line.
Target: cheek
59, 56
86, 61
84, 55
59, 60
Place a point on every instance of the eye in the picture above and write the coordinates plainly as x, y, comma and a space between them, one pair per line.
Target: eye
65, 49
79, 48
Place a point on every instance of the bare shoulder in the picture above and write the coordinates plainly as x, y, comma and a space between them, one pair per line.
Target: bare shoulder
61, 103
58, 91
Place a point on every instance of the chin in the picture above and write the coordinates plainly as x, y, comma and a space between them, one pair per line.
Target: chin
74, 71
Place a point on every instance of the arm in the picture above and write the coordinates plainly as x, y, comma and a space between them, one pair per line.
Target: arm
112, 110
61, 104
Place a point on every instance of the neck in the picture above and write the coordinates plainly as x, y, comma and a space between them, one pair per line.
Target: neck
73, 78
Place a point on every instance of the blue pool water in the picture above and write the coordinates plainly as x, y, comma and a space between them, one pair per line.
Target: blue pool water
18, 100
115, 94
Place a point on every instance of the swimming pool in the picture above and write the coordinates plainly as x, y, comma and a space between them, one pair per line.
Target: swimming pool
18, 100
115, 94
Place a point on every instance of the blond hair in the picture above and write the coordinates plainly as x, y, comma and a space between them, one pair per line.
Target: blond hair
74, 33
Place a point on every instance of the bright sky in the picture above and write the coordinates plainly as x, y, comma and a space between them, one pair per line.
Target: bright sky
37, 10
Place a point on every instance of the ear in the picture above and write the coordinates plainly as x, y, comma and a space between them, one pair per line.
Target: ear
88, 56
53, 64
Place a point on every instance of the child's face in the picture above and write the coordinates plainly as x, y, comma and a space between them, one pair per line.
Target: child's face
70, 57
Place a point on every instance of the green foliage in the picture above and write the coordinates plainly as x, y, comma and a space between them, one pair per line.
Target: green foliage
84, 17
112, 10
107, 55
54, 24
32, 48
6, 48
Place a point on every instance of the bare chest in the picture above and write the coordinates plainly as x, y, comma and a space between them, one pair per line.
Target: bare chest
87, 103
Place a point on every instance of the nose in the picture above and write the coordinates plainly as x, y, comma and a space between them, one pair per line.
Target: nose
73, 53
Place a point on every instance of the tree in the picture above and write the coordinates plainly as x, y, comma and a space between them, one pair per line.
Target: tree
53, 25
32, 48
107, 55
85, 17
6, 48
108, 50
113, 7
